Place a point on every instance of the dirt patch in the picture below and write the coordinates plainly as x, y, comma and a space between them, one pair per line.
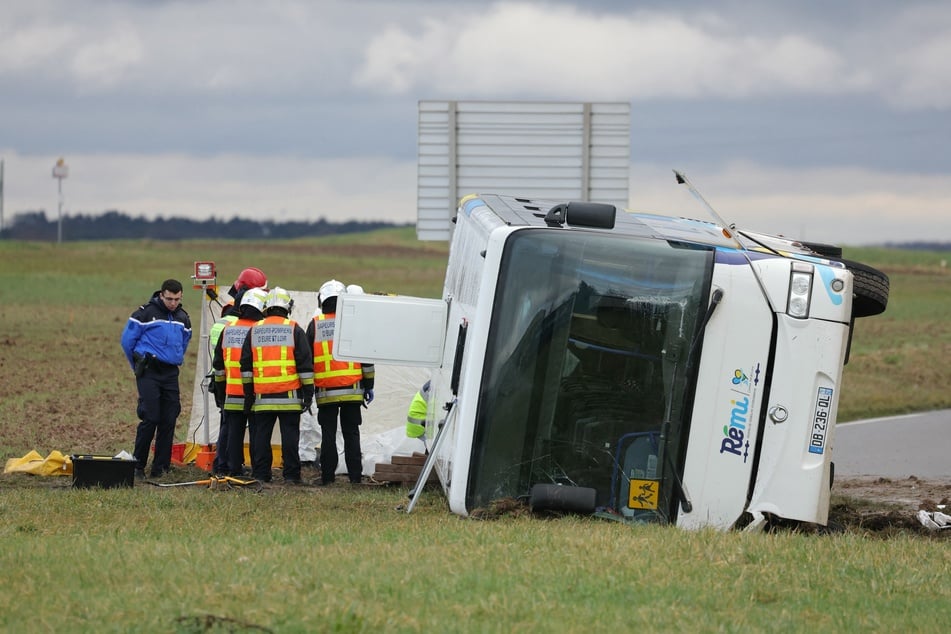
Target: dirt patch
910, 493
887, 507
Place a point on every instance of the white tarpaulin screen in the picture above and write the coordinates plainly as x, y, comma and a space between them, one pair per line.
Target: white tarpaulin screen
393, 391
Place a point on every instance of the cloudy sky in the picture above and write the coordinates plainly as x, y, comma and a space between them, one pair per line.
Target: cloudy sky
829, 121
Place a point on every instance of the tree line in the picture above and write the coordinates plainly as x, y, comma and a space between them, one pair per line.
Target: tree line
113, 225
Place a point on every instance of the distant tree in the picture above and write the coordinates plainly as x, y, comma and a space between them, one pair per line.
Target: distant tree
114, 225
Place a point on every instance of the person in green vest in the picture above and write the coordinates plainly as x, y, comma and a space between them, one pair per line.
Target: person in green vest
250, 277
416, 417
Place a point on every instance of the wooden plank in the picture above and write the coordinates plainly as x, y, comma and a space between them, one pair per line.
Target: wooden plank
396, 473
390, 473
417, 460
404, 469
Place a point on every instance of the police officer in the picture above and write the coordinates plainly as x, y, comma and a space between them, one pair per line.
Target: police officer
229, 388
154, 341
343, 387
277, 372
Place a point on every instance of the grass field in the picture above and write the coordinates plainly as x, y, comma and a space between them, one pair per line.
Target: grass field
191, 559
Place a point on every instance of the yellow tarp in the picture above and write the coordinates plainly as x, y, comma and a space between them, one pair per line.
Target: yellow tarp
54, 464
57, 463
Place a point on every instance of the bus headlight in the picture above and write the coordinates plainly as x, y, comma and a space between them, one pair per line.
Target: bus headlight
800, 290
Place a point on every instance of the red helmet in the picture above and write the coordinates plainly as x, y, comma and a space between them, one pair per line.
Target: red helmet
250, 278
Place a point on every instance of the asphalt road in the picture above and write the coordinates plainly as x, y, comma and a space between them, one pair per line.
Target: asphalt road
895, 447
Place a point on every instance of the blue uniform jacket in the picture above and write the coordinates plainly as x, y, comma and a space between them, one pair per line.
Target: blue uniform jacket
154, 330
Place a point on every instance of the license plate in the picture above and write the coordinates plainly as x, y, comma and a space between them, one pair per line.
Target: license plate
820, 423
643, 494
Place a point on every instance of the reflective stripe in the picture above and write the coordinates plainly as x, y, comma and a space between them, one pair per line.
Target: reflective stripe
277, 408
346, 394
234, 403
218, 327
277, 401
329, 372
232, 340
274, 369
286, 402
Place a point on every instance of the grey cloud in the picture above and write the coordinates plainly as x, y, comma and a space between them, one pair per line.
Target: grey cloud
531, 49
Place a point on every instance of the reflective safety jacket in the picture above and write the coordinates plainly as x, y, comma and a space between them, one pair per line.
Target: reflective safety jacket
216, 328
416, 417
226, 363
336, 381
277, 365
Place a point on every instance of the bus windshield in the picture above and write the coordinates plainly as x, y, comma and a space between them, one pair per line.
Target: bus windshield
589, 366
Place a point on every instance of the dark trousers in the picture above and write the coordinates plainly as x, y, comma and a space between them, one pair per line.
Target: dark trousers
236, 423
350, 419
158, 409
220, 465
262, 425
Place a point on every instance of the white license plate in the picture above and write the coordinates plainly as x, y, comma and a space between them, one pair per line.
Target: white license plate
820, 423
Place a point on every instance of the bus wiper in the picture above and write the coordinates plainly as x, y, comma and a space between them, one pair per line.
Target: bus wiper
728, 230
685, 502
759, 242
714, 302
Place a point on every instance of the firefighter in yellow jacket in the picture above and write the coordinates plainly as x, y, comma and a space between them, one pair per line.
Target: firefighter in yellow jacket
249, 278
416, 416
343, 387
277, 371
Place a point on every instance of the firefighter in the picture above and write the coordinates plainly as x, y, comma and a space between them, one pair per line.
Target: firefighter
416, 417
154, 341
250, 277
277, 372
229, 388
343, 387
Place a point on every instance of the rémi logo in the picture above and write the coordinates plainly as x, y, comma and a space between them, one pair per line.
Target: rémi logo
734, 440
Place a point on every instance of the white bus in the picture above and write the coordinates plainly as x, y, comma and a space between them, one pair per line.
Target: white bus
634, 366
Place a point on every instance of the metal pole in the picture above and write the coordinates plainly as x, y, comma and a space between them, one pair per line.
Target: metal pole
59, 223
205, 366
60, 171
1, 196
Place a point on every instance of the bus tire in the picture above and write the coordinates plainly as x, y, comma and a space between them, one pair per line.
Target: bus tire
869, 289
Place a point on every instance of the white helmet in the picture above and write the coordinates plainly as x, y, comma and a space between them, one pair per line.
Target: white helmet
329, 290
354, 289
279, 298
255, 298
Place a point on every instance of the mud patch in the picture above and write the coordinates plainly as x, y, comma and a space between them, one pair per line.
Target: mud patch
888, 507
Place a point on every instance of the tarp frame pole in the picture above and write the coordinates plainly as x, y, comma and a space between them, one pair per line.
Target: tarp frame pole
431, 458
206, 366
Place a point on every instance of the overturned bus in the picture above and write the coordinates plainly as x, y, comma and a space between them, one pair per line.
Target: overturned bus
640, 367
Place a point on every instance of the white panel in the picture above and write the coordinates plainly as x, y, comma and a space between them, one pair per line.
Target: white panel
384, 329
555, 150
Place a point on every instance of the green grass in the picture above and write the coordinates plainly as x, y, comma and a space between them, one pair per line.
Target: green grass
901, 360
192, 559
151, 559
63, 307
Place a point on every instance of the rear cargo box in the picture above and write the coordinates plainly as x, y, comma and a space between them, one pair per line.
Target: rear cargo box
102, 471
